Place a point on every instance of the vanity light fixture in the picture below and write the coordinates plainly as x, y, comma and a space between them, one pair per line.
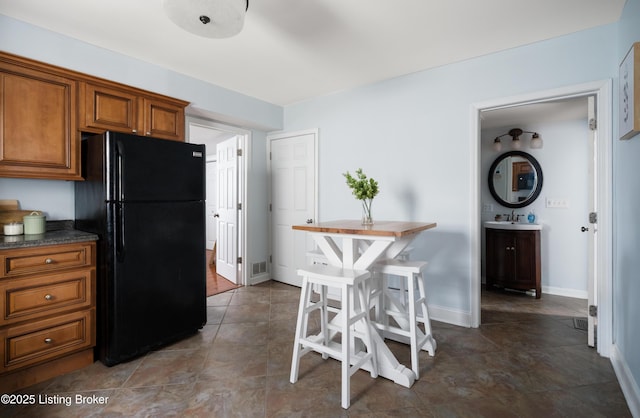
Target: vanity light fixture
536, 141
208, 18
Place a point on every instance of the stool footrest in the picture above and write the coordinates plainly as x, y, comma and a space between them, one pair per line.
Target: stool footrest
334, 350
400, 267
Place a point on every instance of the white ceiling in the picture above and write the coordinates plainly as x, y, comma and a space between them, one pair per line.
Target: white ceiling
292, 50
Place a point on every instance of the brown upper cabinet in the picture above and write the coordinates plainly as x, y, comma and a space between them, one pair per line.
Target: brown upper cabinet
119, 108
38, 135
44, 109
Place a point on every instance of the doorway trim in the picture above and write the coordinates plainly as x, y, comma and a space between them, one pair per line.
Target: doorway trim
602, 90
244, 144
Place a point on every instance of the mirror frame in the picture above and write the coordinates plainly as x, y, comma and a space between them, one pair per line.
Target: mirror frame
536, 166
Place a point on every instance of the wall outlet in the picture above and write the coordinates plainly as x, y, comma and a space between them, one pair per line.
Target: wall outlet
555, 202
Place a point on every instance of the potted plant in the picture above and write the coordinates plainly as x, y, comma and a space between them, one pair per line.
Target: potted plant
364, 189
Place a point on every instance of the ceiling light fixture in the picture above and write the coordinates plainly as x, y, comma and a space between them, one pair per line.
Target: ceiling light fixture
536, 141
208, 18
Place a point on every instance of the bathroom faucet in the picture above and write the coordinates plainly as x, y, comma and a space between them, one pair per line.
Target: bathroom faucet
513, 216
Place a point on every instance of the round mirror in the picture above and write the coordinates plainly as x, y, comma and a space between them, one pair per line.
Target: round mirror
515, 179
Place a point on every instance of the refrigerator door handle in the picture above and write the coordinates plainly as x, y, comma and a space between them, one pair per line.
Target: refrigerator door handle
119, 227
119, 172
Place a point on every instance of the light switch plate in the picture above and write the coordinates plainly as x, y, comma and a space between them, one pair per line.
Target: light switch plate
556, 202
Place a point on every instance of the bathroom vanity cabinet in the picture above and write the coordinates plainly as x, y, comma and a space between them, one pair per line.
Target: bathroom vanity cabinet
513, 259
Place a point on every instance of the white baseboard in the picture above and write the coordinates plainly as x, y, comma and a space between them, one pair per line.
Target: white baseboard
260, 278
560, 291
627, 383
450, 316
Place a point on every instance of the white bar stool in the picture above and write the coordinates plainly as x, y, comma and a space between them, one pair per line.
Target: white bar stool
354, 291
403, 309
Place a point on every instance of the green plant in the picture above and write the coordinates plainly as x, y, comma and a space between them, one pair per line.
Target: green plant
364, 189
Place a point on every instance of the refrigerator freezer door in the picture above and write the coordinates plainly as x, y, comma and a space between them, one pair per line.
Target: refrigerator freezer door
155, 290
150, 169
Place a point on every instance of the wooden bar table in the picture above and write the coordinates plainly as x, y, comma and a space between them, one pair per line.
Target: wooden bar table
349, 244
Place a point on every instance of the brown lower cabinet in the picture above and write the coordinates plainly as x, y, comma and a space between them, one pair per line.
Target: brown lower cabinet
513, 260
47, 312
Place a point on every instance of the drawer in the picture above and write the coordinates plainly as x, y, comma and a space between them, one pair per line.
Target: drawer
30, 298
43, 340
48, 258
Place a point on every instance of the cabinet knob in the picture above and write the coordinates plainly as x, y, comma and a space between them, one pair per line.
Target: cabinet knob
135, 131
48, 261
48, 297
148, 133
48, 340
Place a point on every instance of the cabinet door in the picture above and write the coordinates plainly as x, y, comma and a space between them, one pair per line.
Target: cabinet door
500, 257
46, 259
163, 119
35, 297
104, 108
38, 136
527, 261
38, 341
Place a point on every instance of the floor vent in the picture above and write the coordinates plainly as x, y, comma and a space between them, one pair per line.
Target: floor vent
580, 323
258, 268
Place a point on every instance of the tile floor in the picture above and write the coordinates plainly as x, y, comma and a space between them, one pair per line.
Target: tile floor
526, 360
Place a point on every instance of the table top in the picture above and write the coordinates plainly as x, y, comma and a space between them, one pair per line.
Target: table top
379, 228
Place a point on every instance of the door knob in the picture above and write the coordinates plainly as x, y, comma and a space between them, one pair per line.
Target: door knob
216, 215
584, 229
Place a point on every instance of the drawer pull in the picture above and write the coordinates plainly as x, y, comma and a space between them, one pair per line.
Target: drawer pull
48, 340
48, 261
48, 297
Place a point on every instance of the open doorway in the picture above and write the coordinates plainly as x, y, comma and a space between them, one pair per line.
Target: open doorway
223, 241
601, 91
557, 135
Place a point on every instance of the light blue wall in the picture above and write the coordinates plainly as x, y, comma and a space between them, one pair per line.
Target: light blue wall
626, 154
412, 134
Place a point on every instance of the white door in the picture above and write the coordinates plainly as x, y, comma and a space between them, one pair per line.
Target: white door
211, 206
592, 226
227, 215
293, 201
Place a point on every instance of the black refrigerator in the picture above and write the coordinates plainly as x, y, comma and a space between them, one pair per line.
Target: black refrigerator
145, 199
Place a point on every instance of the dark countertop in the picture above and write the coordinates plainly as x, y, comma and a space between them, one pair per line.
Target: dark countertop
58, 232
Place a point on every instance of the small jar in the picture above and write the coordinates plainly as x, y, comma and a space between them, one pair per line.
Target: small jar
13, 228
34, 223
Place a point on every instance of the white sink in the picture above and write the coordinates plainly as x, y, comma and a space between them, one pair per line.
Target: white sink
522, 226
